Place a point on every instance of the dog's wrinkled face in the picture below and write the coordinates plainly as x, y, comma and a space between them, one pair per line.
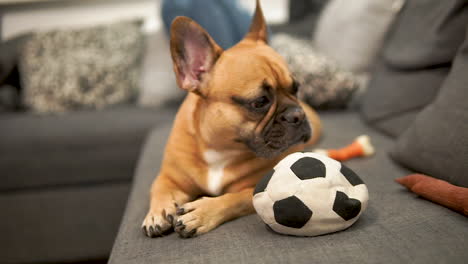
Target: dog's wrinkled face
257, 103
248, 94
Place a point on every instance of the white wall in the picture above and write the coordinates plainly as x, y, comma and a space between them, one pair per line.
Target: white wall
46, 14
275, 11
71, 13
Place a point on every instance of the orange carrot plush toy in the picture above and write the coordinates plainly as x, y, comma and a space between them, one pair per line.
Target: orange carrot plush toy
438, 191
361, 147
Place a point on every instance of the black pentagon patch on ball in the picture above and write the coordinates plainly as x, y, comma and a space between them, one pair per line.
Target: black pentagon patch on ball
308, 168
291, 212
350, 175
346, 207
262, 184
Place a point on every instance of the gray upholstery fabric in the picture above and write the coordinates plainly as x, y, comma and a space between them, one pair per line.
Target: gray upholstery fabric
60, 224
352, 32
80, 147
65, 180
397, 227
436, 143
416, 58
394, 97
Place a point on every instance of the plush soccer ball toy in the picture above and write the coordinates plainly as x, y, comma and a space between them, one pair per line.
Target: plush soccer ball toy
309, 194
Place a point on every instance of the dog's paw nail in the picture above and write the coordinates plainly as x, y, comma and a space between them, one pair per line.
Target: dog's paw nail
151, 232
180, 211
188, 234
179, 226
193, 233
158, 230
170, 218
143, 229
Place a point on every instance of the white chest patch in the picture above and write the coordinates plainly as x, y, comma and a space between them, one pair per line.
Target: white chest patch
216, 162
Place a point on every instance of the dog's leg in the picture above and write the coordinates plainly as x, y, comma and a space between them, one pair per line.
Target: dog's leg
165, 197
206, 213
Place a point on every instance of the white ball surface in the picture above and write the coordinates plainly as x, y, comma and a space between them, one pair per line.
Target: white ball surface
308, 194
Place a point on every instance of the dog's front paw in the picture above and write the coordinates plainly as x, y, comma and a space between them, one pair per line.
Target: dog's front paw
159, 222
197, 217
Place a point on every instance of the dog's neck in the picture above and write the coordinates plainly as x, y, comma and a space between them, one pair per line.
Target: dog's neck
199, 149
204, 141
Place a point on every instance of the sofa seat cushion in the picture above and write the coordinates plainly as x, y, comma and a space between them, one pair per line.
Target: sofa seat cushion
397, 227
81, 147
61, 225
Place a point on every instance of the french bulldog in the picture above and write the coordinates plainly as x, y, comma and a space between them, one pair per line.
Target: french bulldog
240, 117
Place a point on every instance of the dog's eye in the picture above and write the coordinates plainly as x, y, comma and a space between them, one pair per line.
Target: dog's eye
260, 102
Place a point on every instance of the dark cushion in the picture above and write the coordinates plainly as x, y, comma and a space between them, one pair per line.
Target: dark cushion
437, 142
395, 97
58, 225
303, 17
299, 9
77, 148
396, 228
9, 55
10, 87
417, 56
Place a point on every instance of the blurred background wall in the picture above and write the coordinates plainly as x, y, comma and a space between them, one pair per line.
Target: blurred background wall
18, 16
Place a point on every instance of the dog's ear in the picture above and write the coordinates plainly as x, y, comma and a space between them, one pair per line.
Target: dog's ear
193, 52
258, 31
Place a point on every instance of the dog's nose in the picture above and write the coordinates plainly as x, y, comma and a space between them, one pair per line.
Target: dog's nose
292, 116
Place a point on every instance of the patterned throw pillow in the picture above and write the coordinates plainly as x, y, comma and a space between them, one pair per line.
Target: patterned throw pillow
65, 70
324, 85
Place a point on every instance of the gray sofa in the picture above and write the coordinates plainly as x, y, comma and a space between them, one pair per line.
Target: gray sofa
415, 101
397, 227
65, 180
